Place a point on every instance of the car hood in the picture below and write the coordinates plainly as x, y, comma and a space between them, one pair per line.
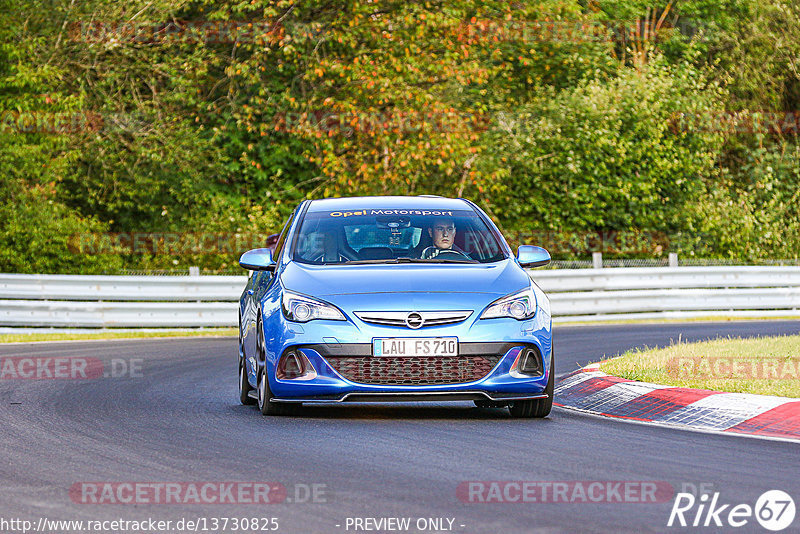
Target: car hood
496, 279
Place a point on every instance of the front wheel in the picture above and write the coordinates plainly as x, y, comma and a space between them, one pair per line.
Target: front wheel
537, 407
244, 386
265, 406
264, 395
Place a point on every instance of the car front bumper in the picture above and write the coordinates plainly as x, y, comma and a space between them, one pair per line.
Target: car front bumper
336, 348
349, 372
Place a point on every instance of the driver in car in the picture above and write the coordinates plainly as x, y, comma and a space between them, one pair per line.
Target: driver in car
443, 233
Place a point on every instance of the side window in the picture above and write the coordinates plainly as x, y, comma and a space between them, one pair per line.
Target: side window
282, 239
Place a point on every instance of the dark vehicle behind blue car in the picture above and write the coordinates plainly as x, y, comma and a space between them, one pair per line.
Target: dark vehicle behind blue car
390, 299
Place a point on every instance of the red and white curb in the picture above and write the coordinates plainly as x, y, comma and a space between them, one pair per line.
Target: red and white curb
591, 390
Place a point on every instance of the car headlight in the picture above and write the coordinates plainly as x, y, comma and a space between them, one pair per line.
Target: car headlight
542, 302
519, 306
302, 309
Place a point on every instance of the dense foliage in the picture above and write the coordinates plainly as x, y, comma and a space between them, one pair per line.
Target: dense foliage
168, 133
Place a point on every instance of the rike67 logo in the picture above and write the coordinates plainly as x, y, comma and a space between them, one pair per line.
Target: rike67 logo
774, 510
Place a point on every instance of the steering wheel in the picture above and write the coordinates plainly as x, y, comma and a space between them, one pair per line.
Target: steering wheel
443, 253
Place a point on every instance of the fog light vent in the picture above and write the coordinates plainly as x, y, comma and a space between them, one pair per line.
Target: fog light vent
528, 363
294, 365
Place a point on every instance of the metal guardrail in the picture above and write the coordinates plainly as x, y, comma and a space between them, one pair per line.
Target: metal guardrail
132, 288
671, 292
119, 301
116, 314
576, 295
629, 278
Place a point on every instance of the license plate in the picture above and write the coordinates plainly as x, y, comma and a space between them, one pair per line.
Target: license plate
415, 346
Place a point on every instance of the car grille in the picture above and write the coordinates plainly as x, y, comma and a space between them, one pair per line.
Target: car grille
414, 371
413, 319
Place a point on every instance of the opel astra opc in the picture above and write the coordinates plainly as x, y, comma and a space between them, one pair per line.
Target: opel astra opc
387, 299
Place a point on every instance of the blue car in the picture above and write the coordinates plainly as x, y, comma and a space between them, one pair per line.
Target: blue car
387, 299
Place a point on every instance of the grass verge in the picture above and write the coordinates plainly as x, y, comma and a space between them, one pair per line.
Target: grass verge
110, 334
765, 365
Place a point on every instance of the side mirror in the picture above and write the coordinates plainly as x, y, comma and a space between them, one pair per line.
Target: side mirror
530, 256
259, 259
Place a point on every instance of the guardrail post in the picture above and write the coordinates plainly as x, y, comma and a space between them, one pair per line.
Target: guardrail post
673, 259
194, 271
597, 260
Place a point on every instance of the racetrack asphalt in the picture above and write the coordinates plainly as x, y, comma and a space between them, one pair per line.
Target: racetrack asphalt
179, 420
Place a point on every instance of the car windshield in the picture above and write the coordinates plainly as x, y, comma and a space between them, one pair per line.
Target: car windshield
396, 236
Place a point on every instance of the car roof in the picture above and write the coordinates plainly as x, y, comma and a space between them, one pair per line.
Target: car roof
389, 202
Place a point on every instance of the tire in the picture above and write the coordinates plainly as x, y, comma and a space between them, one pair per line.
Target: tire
264, 395
244, 386
537, 408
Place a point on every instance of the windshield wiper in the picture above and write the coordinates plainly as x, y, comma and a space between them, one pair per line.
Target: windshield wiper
409, 260
368, 262
446, 260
